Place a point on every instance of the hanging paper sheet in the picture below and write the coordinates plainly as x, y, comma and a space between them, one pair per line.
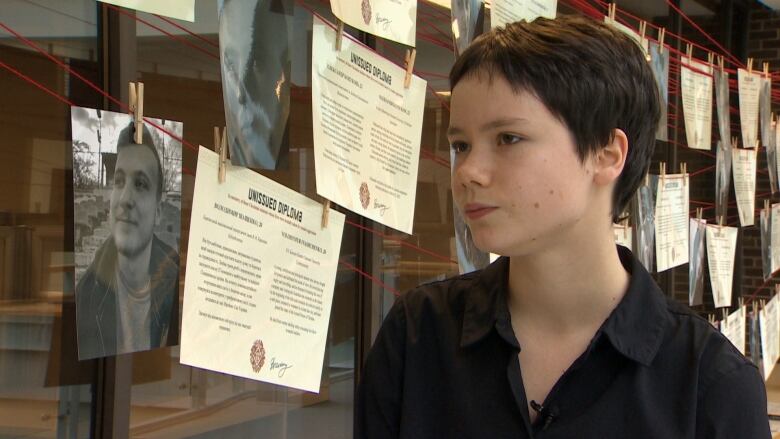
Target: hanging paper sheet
394, 20
503, 12
721, 244
181, 9
749, 90
696, 84
671, 221
367, 130
260, 276
744, 169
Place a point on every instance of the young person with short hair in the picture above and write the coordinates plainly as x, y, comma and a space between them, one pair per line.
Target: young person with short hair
566, 335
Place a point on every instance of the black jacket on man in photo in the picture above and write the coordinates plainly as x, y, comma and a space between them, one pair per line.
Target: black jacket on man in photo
96, 301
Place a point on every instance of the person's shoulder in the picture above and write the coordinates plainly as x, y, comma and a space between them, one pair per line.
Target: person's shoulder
439, 295
715, 355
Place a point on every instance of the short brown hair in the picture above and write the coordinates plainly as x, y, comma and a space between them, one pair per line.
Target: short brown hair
591, 76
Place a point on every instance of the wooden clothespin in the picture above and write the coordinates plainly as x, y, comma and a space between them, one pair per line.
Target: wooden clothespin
711, 319
766, 69
689, 52
661, 37
711, 59
662, 171
721, 63
684, 172
136, 96
725, 313
777, 288
734, 142
766, 205
411, 54
611, 12
221, 148
750, 65
339, 34
755, 308
720, 224
741, 302
642, 39
699, 213
625, 229
325, 213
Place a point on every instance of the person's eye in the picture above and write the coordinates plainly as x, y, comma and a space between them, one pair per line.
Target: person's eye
459, 147
119, 181
508, 139
141, 185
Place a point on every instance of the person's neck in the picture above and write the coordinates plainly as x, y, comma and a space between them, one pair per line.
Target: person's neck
569, 289
135, 270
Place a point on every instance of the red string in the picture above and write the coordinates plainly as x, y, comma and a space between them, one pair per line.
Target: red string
33, 82
401, 241
90, 83
395, 292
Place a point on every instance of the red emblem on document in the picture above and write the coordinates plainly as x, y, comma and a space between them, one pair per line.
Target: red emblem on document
365, 195
365, 8
257, 356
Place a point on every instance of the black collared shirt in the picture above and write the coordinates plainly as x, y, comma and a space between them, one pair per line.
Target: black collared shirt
445, 365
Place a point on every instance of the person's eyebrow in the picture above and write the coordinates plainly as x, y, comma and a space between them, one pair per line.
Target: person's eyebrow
143, 174
493, 124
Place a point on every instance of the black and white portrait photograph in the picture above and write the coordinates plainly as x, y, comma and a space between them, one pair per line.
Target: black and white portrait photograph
698, 231
722, 178
255, 56
659, 62
127, 219
767, 132
643, 208
465, 16
721, 84
765, 216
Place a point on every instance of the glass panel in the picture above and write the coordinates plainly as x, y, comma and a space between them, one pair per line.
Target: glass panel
44, 390
167, 399
429, 254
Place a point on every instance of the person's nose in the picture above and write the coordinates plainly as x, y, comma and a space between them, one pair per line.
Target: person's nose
126, 197
474, 168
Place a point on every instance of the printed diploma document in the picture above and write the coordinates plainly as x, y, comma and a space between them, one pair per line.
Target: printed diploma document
367, 129
260, 278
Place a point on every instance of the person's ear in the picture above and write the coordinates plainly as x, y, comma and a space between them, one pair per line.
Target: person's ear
610, 159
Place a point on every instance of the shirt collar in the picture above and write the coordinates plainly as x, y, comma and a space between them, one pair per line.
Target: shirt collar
634, 328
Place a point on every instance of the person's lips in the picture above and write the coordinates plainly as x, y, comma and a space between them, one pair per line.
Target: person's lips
126, 220
477, 210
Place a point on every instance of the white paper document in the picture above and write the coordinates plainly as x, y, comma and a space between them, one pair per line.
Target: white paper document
181, 9
394, 20
698, 233
503, 12
769, 322
774, 233
733, 327
623, 235
696, 82
721, 247
367, 130
671, 221
749, 89
260, 278
743, 167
